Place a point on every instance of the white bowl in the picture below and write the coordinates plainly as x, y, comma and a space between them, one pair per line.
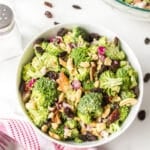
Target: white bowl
28, 53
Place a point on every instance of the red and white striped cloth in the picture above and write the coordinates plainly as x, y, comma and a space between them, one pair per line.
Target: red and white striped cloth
19, 135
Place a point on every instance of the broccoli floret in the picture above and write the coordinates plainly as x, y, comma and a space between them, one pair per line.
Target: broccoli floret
83, 74
71, 123
74, 133
109, 83
129, 77
88, 85
59, 131
115, 126
52, 49
80, 55
124, 111
89, 107
114, 52
78, 31
38, 115
44, 92
127, 94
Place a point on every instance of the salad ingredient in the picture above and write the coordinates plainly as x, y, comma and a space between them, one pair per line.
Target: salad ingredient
48, 4
142, 114
48, 14
147, 77
123, 111
110, 83
147, 40
76, 6
89, 107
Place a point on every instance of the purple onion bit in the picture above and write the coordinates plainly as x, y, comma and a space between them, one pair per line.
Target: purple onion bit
101, 50
56, 40
76, 84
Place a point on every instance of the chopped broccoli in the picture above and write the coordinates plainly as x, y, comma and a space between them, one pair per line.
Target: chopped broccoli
74, 133
59, 131
80, 55
129, 77
44, 44
109, 83
83, 74
88, 85
89, 107
71, 123
124, 111
78, 31
44, 92
114, 127
39, 116
127, 94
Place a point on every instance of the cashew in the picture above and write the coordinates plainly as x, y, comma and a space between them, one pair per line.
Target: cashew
96, 84
53, 135
70, 64
61, 97
100, 127
62, 62
99, 64
44, 128
128, 102
85, 64
51, 115
94, 57
107, 61
54, 125
115, 99
106, 111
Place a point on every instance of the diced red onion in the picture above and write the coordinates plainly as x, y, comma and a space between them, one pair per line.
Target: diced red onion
30, 84
76, 84
101, 50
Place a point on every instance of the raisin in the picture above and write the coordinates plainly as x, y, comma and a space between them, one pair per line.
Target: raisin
62, 32
48, 14
136, 91
147, 77
114, 66
56, 23
39, 41
39, 50
52, 75
76, 6
103, 68
88, 137
69, 112
141, 115
113, 116
22, 86
48, 4
62, 54
94, 36
147, 40
116, 41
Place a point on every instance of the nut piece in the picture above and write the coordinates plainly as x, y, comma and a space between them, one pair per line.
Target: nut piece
128, 102
115, 99
54, 125
107, 61
44, 128
94, 57
61, 97
62, 62
106, 111
85, 64
53, 135
96, 84
100, 127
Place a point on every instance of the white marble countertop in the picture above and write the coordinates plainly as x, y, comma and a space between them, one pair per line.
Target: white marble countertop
31, 20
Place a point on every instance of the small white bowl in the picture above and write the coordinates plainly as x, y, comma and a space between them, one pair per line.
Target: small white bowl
28, 53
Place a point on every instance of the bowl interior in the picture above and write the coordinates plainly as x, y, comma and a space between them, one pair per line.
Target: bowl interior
28, 53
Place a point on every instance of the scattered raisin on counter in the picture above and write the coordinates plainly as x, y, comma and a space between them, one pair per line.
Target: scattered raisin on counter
141, 115
48, 4
147, 77
56, 23
76, 6
48, 14
147, 40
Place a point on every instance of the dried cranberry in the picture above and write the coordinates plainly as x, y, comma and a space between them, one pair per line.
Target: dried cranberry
113, 116
62, 32
62, 54
147, 40
116, 41
114, 65
22, 86
103, 68
141, 114
56, 23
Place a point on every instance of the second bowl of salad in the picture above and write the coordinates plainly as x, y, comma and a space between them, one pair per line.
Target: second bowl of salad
79, 85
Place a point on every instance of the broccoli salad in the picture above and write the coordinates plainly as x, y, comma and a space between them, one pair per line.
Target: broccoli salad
138, 3
79, 86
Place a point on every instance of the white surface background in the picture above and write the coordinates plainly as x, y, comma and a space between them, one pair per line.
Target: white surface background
31, 21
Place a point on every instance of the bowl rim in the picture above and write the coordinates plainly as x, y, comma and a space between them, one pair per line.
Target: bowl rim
87, 144
132, 6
